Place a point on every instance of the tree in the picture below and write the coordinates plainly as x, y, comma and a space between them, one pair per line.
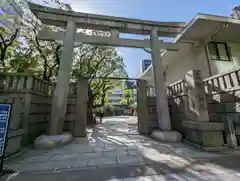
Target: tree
8, 38
43, 57
97, 61
127, 97
236, 12
47, 53
33, 55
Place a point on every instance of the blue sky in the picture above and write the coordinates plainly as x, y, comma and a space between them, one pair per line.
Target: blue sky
158, 10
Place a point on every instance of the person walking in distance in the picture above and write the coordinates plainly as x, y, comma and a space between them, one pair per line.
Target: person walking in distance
101, 114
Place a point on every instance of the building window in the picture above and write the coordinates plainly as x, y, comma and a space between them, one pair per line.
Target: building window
219, 51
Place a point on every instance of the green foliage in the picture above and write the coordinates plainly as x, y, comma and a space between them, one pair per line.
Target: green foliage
22, 51
124, 102
8, 39
127, 97
98, 61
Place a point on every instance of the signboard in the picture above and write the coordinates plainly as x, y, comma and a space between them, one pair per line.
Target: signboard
5, 110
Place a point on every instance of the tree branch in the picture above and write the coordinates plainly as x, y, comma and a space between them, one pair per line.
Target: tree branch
104, 90
57, 62
3, 41
58, 54
12, 38
90, 59
38, 46
96, 67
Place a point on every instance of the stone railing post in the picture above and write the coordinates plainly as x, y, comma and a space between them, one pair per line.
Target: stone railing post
198, 129
80, 121
186, 102
27, 102
142, 108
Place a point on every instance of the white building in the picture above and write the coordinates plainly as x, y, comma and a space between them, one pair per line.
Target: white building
208, 43
134, 96
115, 96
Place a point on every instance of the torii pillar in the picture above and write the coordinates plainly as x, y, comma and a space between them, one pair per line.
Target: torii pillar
165, 133
61, 91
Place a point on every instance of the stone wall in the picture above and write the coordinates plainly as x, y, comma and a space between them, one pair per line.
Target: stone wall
223, 97
176, 98
188, 109
31, 104
31, 100
152, 114
39, 116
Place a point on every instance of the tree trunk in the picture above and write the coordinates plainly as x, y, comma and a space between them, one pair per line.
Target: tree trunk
90, 120
2, 55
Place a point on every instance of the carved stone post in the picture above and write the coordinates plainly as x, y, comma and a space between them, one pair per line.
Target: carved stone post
142, 108
196, 95
80, 121
197, 128
27, 103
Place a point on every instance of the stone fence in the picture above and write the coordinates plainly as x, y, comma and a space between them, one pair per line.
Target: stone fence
31, 100
223, 97
176, 97
204, 111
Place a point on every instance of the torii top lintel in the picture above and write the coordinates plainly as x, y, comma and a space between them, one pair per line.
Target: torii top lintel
57, 17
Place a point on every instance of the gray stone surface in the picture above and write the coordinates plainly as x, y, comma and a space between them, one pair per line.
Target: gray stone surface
166, 136
104, 156
47, 142
203, 126
201, 170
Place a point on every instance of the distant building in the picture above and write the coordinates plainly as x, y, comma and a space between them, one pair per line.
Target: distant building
129, 84
115, 96
134, 95
145, 64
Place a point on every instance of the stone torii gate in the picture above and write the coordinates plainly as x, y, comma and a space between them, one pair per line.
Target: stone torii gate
116, 25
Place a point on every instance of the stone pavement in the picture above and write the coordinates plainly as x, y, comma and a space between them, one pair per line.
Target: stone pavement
115, 151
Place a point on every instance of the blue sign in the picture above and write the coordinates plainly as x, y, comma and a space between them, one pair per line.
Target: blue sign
4, 119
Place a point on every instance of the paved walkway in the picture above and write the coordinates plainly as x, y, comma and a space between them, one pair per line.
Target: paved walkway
115, 151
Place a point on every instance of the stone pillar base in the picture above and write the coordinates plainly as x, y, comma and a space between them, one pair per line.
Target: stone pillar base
167, 136
207, 135
47, 142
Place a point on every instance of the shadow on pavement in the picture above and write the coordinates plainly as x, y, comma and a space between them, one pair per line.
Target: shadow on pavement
162, 161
